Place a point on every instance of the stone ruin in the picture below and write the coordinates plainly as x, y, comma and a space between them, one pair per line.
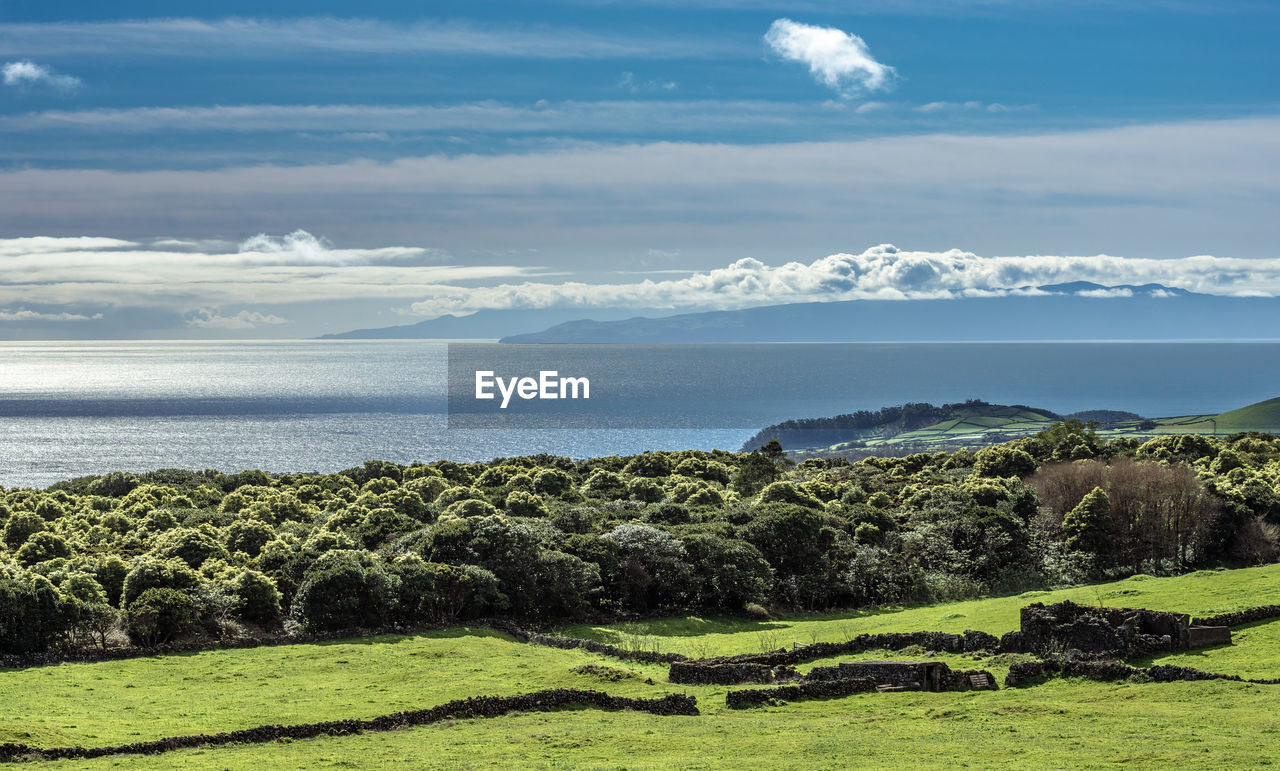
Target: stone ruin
932, 676
1113, 632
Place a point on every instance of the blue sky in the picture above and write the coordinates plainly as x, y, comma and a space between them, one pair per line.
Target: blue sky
450, 157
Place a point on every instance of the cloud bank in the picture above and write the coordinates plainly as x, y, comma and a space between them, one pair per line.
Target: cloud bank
198, 278
76, 279
27, 74
837, 59
277, 38
206, 318
882, 272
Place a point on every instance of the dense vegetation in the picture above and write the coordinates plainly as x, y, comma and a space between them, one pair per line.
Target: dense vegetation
1081, 723
172, 554
887, 421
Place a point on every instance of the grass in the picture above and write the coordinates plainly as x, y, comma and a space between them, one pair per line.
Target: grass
1064, 722
1254, 652
1202, 593
996, 424
125, 701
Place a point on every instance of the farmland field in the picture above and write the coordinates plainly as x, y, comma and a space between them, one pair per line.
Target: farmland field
1058, 723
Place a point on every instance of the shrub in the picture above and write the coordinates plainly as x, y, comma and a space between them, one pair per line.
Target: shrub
788, 492
726, 573
1003, 460
20, 527
604, 484
379, 525
654, 570
471, 508
428, 488
256, 598
343, 590
159, 615
42, 547
117, 484
645, 490
650, 464
31, 612
149, 572
458, 493
524, 504
553, 482
706, 470
248, 536
191, 546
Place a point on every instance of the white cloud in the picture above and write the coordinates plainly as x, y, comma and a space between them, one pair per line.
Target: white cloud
180, 274
371, 122
629, 82
274, 38
10, 247
1114, 292
1180, 188
880, 273
26, 74
206, 318
28, 315
839, 60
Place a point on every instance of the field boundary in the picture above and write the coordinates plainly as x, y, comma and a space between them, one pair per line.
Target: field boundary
1032, 672
475, 707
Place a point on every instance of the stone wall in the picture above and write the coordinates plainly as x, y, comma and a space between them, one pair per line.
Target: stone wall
832, 689
1249, 616
1026, 673
1118, 632
483, 706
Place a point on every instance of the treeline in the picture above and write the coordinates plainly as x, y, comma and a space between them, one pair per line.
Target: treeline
816, 432
155, 557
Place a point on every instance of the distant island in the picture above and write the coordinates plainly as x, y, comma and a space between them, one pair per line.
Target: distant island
481, 325
923, 427
1075, 311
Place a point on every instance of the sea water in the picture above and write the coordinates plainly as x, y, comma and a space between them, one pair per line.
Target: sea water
70, 409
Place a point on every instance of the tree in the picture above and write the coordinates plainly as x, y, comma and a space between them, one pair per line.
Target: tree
22, 526
754, 472
727, 574
248, 536
191, 546
343, 590
88, 610
772, 450
31, 612
255, 598
1085, 528
160, 615
42, 547
1003, 460
788, 492
653, 564
149, 572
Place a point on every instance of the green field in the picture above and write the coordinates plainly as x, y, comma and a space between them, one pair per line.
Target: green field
1061, 723
991, 424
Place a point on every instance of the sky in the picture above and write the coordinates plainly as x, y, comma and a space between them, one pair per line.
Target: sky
292, 169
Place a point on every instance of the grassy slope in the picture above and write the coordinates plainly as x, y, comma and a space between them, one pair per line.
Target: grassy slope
1000, 423
1202, 593
126, 701
1200, 725
1263, 416
1063, 722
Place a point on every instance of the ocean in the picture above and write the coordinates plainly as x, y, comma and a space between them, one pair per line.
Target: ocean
69, 409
